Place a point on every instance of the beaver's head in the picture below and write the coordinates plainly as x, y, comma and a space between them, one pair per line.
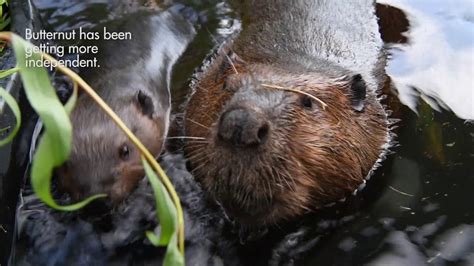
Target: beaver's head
103, 159
273, 141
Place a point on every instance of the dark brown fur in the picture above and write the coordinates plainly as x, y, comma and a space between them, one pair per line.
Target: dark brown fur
311, 157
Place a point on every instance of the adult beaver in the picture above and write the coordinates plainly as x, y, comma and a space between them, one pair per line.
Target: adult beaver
134, 79
285, 118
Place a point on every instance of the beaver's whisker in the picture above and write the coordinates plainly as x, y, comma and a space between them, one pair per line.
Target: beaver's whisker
199, 124
280, 180
283, 179
292, 179
264, 184
245, 198
226, 55
269, 199
199, 165
203, 158
184, 137
194, 146
197, 149
198, 162
194, 170
239, 173
287, 184
306, 208
284, 160
196, 143
135, 167
323, 104
232, 64
275, 177
268, 172
211, 118
197, 158
196, 155
192, 156
213, 169
203, 142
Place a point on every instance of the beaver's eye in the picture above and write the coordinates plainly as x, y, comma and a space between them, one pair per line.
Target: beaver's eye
124, 152
224, 85
306, 102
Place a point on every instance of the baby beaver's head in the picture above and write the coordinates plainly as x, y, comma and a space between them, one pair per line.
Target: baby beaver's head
103, 159
270, 143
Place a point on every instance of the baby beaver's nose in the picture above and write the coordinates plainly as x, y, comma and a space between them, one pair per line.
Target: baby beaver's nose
243, 128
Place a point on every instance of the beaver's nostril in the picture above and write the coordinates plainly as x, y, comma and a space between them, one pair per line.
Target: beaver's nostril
263, 133
243, 128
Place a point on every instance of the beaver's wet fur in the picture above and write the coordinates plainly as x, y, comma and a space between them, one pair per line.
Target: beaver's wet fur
117, 237
133, 78
268, 154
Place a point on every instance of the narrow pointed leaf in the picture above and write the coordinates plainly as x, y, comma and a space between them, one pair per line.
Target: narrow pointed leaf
166, 211
173, 257
5, 73
155, 241
10, 101
71, 102
55, 145
4, 23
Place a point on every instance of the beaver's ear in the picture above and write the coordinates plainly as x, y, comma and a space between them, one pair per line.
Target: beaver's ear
145, 103
358, 92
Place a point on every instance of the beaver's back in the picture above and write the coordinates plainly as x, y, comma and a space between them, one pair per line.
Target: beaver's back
343, 33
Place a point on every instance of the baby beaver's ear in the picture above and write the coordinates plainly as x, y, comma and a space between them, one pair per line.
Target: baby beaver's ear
145, 103
358, 92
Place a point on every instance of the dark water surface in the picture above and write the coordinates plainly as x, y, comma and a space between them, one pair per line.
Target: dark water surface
418, 208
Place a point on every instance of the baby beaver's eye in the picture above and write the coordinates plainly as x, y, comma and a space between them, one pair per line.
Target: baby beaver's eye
124, 152
306, 102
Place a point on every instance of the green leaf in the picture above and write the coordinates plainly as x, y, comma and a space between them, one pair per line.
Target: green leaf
173, 257
55, 144
71, 102
5, 73
2, 46
4, 129
4, 22
155, 241
4, 16
10, 101
166, 213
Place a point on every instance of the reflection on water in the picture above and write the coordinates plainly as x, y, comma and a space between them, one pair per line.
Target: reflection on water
438, 60
62, 15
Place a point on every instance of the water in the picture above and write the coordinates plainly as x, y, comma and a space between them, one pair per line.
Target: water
439, 57
417, 208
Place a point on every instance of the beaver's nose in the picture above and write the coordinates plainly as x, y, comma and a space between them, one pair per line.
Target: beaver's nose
243, 128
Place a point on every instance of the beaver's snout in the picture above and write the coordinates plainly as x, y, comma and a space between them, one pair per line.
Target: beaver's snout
243, 127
